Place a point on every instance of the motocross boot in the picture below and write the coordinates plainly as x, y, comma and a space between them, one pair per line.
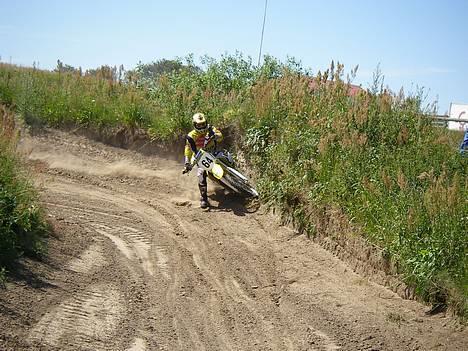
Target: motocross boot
203, 196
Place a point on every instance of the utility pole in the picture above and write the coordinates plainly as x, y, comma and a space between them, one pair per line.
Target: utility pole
263, 30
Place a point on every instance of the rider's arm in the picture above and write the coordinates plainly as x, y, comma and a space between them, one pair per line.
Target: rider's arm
213, 137
218, 135
190, 148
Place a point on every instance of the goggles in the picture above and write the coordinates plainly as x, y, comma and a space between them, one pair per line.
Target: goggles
200, 126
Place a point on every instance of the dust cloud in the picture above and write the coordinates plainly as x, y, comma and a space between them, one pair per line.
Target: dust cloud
121, 168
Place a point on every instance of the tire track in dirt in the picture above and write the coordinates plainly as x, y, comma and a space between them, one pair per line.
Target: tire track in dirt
318, 337
220, 294
228, 301
138, 345
93, 211
87, 320
135, 246
134, 243
131, 242
185, 279
89, 261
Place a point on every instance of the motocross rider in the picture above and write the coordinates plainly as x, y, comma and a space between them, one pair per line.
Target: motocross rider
203, 136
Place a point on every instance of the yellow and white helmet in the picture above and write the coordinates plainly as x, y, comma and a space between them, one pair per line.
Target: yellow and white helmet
199, 122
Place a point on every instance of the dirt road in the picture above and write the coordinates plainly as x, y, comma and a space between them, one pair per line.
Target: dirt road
135, 264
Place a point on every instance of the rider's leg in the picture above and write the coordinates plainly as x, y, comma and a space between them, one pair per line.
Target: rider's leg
203, 186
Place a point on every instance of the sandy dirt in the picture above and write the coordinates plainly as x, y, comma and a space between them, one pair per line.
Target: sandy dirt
135, 264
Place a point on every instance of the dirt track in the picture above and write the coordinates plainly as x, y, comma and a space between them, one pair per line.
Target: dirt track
137, 265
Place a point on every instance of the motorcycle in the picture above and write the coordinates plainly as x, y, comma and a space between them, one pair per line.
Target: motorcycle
219, 166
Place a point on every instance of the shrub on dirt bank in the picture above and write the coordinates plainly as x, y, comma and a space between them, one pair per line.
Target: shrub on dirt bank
314, 141
22, 226
377, 159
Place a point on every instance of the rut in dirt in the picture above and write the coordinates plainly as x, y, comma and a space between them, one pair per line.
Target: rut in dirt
154, 272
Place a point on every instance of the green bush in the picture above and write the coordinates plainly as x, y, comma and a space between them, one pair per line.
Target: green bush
377, 157
22, 227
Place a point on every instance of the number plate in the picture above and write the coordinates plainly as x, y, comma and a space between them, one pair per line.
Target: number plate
206, 161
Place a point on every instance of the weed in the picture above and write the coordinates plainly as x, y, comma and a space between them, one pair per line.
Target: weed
395, 317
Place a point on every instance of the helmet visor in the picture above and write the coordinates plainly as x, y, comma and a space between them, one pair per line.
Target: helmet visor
200, 125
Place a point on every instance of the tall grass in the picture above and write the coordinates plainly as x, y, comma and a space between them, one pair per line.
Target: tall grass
313, 141
61, 98
22, 226
376, 157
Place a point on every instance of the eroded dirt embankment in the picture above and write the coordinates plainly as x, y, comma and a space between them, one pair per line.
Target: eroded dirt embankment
136, 265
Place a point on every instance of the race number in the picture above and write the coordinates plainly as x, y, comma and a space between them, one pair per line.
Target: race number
206, 162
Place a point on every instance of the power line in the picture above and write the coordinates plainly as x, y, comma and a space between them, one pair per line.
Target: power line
263, 30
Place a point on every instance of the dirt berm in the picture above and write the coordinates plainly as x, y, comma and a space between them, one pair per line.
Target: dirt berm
135, 264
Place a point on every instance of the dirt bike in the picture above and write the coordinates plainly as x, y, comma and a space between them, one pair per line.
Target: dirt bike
219, 166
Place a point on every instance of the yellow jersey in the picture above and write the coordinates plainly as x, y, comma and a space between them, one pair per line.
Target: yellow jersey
195, 140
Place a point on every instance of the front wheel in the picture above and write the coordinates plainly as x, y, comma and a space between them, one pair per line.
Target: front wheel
239, 183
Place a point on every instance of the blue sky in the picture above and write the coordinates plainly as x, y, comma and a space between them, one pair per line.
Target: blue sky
416, 42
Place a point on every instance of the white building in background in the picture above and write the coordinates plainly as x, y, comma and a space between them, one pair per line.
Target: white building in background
458, 111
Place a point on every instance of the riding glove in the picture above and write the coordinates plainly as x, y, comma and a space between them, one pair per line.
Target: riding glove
188, 167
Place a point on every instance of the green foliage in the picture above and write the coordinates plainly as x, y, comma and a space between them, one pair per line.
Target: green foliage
315, 142
22, 227
151, 72
94, 100
375, 156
